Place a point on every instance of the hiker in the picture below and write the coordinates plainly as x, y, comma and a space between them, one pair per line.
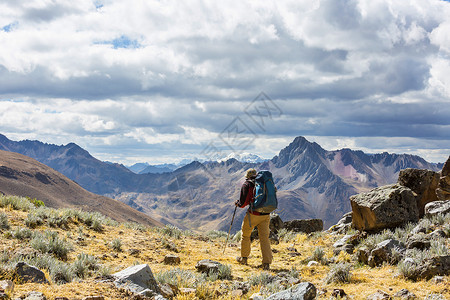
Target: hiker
252, 219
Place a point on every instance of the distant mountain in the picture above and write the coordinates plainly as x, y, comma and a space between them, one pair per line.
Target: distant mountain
158, 169
312, 182
138, 167
244, 157
23, 176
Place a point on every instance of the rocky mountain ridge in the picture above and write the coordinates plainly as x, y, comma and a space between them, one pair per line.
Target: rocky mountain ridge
312, 182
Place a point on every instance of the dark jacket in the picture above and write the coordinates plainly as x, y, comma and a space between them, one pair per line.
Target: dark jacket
247, 192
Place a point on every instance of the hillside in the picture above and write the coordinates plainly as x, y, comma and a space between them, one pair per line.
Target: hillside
312, 182
24, 176
86, 256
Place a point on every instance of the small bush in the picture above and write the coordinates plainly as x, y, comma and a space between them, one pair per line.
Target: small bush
116, 245
171, 231
104, 271
16, 203
61, 272
438, 247
4, 224
237, 237
83, 264
179, 278
318, 255
263, 278
49, 242
408, 269
22, 233
286, 235
216, 234
33, 221
35, 202
97, 225
225, 272
339, 273
135, 226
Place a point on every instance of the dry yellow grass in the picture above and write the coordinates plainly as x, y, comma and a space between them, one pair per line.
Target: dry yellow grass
365, 280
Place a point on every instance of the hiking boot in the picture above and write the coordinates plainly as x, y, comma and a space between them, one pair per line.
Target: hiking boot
266, 266
242, 260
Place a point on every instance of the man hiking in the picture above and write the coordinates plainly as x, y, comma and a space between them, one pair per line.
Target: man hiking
252, 219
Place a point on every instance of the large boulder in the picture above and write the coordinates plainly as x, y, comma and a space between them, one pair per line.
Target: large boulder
422, 182
301, 291
438, 265
306, 226
383, 252
443, 190
137, 279
29, 274
384, 207
275, 223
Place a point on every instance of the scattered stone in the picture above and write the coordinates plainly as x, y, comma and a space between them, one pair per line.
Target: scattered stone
114, 255
443, 190
137, 279
292, 249
294, 254
345, 244
94, 298
321, 292
437, 207
275, 223
379, 295
438, 279
301, 291
305, 226
171, 259
285, 279
313, 263
405, 294
167, 291
422, 182
236, 294
418, 241
383, 252
438, 265
134, 251
256, 296
29, 274
207, 266
384, 207
35, 296
61, 298
7, 286
338, 293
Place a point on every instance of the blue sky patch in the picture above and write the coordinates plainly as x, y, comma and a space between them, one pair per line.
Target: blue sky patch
9, 27
122, 42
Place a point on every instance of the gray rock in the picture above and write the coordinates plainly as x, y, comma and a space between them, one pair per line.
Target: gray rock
167, 291
208, 266
7, 286
35, 296
29, 274
438, 233
275, 223
379, 295
136, 279
343, 225
418, 229
301, 291
405, 294
418, 241
438, 265
306, 226
384, 207
422, 182
172, 259
383, 252
443, 190
437, 207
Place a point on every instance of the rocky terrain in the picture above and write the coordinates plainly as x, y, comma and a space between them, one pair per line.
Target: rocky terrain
312, 182
70, 254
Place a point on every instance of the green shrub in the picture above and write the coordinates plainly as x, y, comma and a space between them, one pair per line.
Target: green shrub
104, 271
223, 273
438, 247
408, 269
16, 203
33, 220
116, 245
216, 234
179, 278
22, 233
171, 231
61, 272
286, 235
4, 224
135, 226
83, 264
339, 273
318, 255
97, 225
263, 278
49, 242
35, 202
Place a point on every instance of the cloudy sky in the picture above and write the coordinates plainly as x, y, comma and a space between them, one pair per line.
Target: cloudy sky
162, 81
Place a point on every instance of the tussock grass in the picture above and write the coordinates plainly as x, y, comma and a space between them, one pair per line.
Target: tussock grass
4, 223
16, 203
339, 273
49, 242
116, 245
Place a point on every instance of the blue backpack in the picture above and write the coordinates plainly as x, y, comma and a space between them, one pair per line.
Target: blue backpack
265, 199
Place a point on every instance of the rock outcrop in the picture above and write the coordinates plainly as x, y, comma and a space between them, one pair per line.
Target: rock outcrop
301, 291
384, 207
437, 207
422, 182
306, 226
137, 279
443, 190
29, 274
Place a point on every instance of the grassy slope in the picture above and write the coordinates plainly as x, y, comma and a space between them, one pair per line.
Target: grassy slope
365, 280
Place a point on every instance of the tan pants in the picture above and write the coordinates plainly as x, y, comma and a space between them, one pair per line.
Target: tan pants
262, 223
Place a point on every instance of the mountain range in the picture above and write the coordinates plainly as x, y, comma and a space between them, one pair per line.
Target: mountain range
312, 182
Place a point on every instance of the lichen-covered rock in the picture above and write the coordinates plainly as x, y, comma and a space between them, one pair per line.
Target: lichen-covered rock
171, 259
418, 241
384, 207
379, 295
29, 274
405, 294
437, 207
208, 266
305, 226
301, 291
137, 279
438, 265
422, 182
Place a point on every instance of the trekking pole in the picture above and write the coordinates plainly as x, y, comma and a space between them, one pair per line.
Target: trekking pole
226, 242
